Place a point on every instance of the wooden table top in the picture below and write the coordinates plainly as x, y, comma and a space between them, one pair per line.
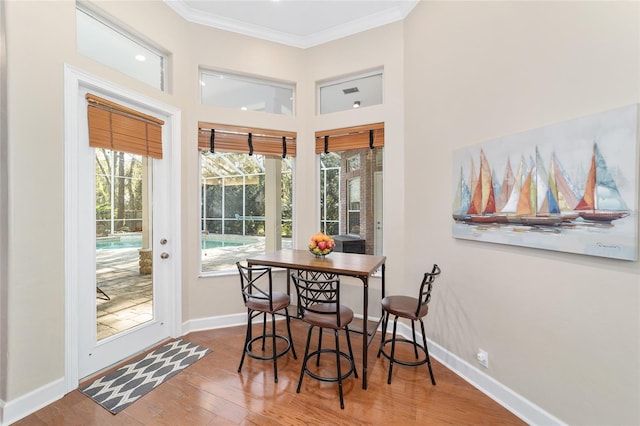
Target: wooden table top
337, 262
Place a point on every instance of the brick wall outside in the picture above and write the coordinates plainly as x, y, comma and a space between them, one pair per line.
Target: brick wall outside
368, 166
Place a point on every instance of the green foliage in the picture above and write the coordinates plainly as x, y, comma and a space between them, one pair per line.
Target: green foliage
120, 174
233, 185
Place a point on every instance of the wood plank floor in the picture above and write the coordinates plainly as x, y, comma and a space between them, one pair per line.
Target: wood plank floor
212, 392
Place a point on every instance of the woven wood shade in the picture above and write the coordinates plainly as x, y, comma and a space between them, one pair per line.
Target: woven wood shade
236, 139
116, 127
347, 138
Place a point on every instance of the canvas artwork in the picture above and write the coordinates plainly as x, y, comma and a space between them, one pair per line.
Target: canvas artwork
570, 187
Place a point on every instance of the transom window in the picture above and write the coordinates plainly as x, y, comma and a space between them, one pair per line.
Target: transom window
102, 40
246, 93
352, 92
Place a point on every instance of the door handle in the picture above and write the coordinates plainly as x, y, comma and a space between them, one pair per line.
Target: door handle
164, 255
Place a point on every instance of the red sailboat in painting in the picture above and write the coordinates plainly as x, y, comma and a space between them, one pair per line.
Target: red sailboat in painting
601, 201
483, 202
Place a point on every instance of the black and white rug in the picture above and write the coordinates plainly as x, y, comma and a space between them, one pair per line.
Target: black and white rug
118, 389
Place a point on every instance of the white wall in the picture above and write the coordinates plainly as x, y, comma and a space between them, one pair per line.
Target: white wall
562, 330
564, 334
4, 190
36, 265
35, 260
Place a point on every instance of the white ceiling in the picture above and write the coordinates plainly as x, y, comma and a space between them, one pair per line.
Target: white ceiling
298, 23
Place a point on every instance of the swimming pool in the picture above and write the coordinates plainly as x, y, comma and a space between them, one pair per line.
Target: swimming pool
135, 241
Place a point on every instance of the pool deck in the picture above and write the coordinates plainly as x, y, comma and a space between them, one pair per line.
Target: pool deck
130, 293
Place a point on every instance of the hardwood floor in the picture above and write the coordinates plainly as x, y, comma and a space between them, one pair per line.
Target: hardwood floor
212, 392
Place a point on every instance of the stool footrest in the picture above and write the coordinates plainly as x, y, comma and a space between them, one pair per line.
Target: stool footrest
325, 378
399, 361
251, 354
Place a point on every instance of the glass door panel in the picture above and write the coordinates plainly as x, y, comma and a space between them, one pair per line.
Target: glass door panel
124, 278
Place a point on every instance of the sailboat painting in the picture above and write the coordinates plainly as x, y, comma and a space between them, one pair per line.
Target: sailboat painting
571, 187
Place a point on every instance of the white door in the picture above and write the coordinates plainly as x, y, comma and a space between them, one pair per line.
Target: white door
125, 253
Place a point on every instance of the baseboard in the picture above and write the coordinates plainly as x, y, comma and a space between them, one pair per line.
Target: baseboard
530, 413
211, 323
527, 411
512, 401
21, 407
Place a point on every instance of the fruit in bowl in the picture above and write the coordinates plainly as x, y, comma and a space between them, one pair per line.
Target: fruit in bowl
321, 244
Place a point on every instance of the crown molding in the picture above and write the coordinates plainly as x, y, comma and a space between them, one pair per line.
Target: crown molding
365, 23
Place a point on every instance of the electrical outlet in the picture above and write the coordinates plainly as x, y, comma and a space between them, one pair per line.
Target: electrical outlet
483, 358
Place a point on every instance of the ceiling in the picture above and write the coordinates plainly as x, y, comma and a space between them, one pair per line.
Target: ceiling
297, 23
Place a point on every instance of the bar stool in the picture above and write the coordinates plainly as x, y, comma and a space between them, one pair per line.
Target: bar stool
319, 306
260, 299
413, 309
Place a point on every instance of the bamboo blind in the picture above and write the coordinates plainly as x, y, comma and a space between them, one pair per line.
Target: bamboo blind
357, 137
228, 138
116, 127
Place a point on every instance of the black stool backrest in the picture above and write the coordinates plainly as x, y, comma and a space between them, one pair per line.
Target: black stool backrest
256, 283
320, 296
316, 275
425, 288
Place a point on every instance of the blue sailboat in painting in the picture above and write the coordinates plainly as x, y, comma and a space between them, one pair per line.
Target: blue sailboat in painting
462, 200
601, 201
562, 190
538, 197
516, 190
537, 202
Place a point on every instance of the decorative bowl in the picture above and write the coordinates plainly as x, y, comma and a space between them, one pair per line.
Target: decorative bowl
320, 253
321, 245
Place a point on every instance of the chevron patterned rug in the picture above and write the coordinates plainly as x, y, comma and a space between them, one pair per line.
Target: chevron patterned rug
118, 389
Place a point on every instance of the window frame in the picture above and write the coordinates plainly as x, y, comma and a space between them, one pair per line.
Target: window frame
367, 142
254, 80
351, 98
130, 34
270, 145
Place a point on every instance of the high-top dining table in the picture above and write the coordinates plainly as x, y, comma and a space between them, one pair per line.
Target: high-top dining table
361, 266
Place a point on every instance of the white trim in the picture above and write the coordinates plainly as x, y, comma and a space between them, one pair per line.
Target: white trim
74, 80
212, 323
71, 89
397, 13
512, 401
21, 407
506, 397
509, 399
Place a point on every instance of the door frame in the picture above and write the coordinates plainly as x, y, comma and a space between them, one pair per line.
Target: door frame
74, 81
378, 205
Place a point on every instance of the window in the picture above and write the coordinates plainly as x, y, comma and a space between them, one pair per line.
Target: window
348, 93
246, 199
124, 139
353, 209
351, 167
108, 44
245, 93
330, 193
354, 163
118, 192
